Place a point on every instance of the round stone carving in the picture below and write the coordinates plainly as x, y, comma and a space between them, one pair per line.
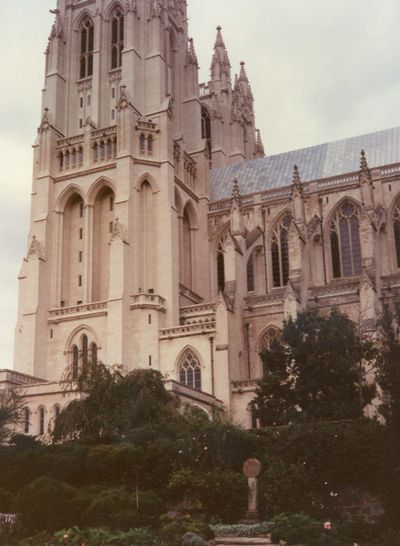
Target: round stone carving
252, 468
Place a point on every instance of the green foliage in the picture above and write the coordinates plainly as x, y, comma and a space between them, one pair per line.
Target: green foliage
172, 530
242, 529
310, 377
141, 397
102, 537
220, 492
306, 466
47, 504
117, 508
11, 404
6, 500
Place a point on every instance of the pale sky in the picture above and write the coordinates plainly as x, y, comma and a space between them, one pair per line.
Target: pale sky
320, 70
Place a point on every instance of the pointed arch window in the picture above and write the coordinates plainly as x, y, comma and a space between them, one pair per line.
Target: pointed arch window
190, 370
85, 352
220, 268
280, 252
250, 273
26, 419
396, 228
41, 420
269, 336
206, 129
86, 35
75, 362
345, 241
117, 38
93, 351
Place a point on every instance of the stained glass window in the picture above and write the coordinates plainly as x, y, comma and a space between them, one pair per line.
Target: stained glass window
345, 241
190, 370
280, 252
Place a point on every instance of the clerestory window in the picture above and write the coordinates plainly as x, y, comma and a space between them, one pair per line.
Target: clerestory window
345, 241
280, 252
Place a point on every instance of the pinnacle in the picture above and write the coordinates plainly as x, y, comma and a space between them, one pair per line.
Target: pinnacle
363, 162
219, 42
243, 76
296, 176
235, 190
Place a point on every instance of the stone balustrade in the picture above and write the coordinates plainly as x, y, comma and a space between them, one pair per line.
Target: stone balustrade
77, 309
149, 301
189, 329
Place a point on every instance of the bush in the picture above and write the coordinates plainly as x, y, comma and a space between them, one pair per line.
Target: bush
47, 504
172, 530
242, 530
102, 537
116, 508
6, 499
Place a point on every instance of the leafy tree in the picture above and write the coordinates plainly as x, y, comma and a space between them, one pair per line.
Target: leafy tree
11, 403
314, 372
112, 403
388, 368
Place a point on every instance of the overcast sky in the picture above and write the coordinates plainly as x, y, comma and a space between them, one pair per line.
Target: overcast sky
320, 70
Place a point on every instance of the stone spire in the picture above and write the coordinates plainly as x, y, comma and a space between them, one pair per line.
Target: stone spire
220, 64
259, 146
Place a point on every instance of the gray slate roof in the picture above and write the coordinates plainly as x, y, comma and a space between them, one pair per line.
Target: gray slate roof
322, 161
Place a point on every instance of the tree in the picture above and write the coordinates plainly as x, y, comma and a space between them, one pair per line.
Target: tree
112, 403
314, 372
11, 403
388, 368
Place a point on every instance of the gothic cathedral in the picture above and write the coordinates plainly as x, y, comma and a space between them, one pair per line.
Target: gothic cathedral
161, 235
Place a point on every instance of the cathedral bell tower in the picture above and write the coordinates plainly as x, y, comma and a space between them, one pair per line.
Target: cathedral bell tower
119, 188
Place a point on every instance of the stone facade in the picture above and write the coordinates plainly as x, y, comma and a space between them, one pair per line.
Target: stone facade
160, 235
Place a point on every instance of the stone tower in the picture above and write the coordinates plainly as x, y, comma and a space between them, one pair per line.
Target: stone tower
120, 188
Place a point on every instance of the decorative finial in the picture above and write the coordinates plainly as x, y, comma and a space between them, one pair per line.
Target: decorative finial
236, 192
363, 161
296, 176
259, 146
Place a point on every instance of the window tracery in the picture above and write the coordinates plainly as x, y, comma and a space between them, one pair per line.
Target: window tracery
86, 48
190, 370
345, 241
267, 339
117, 38
280, 252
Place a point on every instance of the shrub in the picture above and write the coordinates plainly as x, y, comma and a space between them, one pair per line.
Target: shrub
6, 499
173, 530
242, 529
47, 504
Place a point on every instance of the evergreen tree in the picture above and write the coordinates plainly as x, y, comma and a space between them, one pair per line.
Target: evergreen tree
315, 372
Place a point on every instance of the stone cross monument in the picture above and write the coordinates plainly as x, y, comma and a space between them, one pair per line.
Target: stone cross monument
252, 469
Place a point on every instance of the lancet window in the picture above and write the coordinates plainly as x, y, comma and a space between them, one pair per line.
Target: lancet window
280, 252
396, 227
41, 420
190, 370
82, 355
117, 38
26, 414
86, 48
345, 241
206, 129
220, 268
250, 274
